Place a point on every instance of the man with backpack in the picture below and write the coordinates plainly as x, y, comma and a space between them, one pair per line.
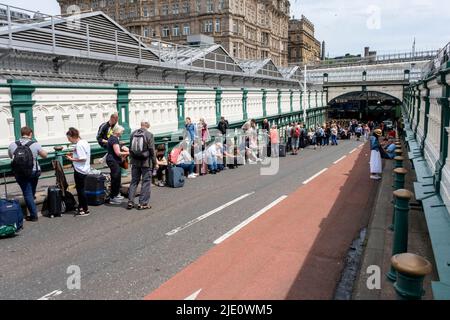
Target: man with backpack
26, 169
143, 162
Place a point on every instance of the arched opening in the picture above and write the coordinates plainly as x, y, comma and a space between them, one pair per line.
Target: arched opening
365, 106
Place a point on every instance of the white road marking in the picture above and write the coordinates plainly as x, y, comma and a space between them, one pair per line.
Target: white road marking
246, 222
50, 295
314, 176
208, 214
194, 295
339, 160
353, 150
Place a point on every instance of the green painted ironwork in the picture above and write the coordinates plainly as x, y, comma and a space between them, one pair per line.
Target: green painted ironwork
21, 103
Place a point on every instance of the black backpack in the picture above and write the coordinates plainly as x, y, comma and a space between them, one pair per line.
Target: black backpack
139, 146
23, 160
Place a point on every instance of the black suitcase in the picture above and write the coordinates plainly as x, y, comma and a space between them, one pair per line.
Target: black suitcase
54, 201
175, 177
282, 152
94, 189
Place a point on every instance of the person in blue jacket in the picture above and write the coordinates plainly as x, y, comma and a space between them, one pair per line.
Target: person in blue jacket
375, 155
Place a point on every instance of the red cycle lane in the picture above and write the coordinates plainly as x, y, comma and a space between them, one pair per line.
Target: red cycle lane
295, 250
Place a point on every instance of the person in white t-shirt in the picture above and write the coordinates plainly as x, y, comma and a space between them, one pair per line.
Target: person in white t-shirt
81, 159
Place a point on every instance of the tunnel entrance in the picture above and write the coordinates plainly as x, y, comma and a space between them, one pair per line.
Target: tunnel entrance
365, 106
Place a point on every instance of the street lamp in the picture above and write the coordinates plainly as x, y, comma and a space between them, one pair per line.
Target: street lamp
407, 75
364, 75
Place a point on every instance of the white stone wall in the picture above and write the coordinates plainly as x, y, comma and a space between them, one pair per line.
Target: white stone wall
432, 146
201, 104
296, 101
157, 106
272, 102
56, 110
285, 101
254, 104
232, 105
6, 119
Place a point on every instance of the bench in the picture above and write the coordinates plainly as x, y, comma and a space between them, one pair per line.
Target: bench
438, 222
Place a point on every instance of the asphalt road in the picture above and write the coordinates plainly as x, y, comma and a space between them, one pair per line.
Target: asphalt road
128, 254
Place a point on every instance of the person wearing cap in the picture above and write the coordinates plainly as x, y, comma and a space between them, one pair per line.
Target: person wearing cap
375, 155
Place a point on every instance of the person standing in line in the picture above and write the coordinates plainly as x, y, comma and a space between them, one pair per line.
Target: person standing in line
223, 126
295, 134
26, 169
375, 155
115, 157
81, 161
190, 130
334, 133
275, 142
143, 162
289, 137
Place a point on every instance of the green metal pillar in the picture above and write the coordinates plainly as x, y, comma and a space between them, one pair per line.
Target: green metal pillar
399, 183
21, 104
279, 101
291, 99
426, 100
181, 100
264, 102
244, 103
219, 92
418, 100
400, 244
445, 124
123, 102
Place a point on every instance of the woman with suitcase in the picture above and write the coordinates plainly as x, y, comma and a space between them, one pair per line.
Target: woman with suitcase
81, 161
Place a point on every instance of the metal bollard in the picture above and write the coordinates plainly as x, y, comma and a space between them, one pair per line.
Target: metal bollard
399, 183
59, 154
411, 271
398, 162
398, 152
400, 244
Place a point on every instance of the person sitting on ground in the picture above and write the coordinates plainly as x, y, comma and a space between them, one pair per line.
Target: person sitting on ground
185, 161
24, 154
211, 156
388, 149
162, 164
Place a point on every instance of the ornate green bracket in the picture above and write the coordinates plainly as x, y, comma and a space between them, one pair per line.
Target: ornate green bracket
181, 99
417, 98
291, 99
21, 104
426, 100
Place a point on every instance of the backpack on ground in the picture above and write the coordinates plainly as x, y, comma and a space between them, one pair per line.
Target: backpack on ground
139, 146
23, 160
11, 216
174, 154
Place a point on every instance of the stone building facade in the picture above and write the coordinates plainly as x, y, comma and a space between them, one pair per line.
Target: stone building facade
247, 29
303, 46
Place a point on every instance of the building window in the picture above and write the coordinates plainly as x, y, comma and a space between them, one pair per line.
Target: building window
198, 6
217, 29
209, 6
165, 32
186, 7
145, 11
175, 8
165, 10
176, 31
235, 27
208, 26
221, 4
146, 32
186, 30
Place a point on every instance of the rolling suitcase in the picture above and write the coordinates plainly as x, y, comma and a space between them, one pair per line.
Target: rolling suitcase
54, 201
11, 215
282, 152
94, 188
175, 177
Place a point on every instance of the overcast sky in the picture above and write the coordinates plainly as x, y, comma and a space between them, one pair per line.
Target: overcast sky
347, 26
